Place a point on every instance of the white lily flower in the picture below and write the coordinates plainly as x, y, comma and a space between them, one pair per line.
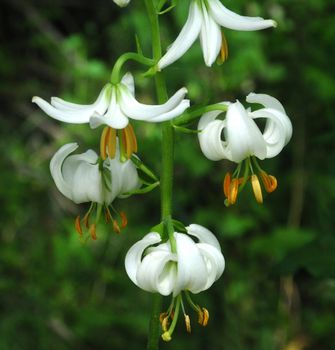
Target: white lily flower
114, 106
194, 267
205, 19
243, 139
122, 3
82, 179
86, 178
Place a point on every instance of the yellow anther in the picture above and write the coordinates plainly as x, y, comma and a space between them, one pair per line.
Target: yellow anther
111, 143
256, 187
116, 227
200, 316
103, 142
77, 226
233, 191
129, 143
187, 323
92, 231
133, 137
162, 315
165, 324
166, 336
205, 317
224, 49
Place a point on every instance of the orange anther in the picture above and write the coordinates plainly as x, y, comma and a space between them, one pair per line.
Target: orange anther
206, 317
111, 142
269, 181
93, 232
226, 184
77, 225
133, 137
103, 142
124, 220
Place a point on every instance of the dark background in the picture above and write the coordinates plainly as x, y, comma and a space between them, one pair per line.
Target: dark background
278, 290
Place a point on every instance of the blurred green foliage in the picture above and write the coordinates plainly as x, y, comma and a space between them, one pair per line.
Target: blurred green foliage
278, 290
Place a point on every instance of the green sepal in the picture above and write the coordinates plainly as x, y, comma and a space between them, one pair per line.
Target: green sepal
186, 130
143, 190
179, 226
140, 165
159, 229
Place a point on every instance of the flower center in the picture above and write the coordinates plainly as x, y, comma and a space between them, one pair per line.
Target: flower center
234, 184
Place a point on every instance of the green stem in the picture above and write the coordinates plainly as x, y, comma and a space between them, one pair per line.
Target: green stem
189, 116
115, 77
167, 162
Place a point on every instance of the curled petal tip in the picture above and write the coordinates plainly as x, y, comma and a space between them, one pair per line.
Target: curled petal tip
274, 24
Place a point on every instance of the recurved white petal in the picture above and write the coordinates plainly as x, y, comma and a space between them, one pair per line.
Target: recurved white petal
232, 20
70, 116
99, 106
134, 255
214, 261
243, 136
210, 37
203, 235
157, 272
272, 103
135, 110
56, 168
185, 39
122, 3
210, 137
192, 272
81, 172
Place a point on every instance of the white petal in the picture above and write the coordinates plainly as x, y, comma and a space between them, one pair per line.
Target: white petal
210, 140
73, 117
276, 134
272, 103
114, 117
122, 3
99, 106
215, 262
192, 272
134, 255
243, 136
183, 105
185, 39
203, 234
73, 113
135, 110
157, 272
210, 37
232, 20
128, 81
81, 172
56, 168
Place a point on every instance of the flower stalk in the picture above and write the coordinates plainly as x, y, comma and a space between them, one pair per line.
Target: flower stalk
167, 164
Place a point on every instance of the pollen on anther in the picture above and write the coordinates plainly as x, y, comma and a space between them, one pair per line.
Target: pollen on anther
77, 226
256, 187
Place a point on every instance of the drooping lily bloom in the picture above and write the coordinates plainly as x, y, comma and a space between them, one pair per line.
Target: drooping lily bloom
122, 3
114, 106
244, 140
87, 178
192, 267
205, 19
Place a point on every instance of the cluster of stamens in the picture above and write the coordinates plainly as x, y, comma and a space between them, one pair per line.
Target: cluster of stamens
127, 142
169, 318
118, 223
234, 184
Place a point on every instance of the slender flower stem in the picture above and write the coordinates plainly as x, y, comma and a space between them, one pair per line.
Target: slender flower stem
115, 76
167, 163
